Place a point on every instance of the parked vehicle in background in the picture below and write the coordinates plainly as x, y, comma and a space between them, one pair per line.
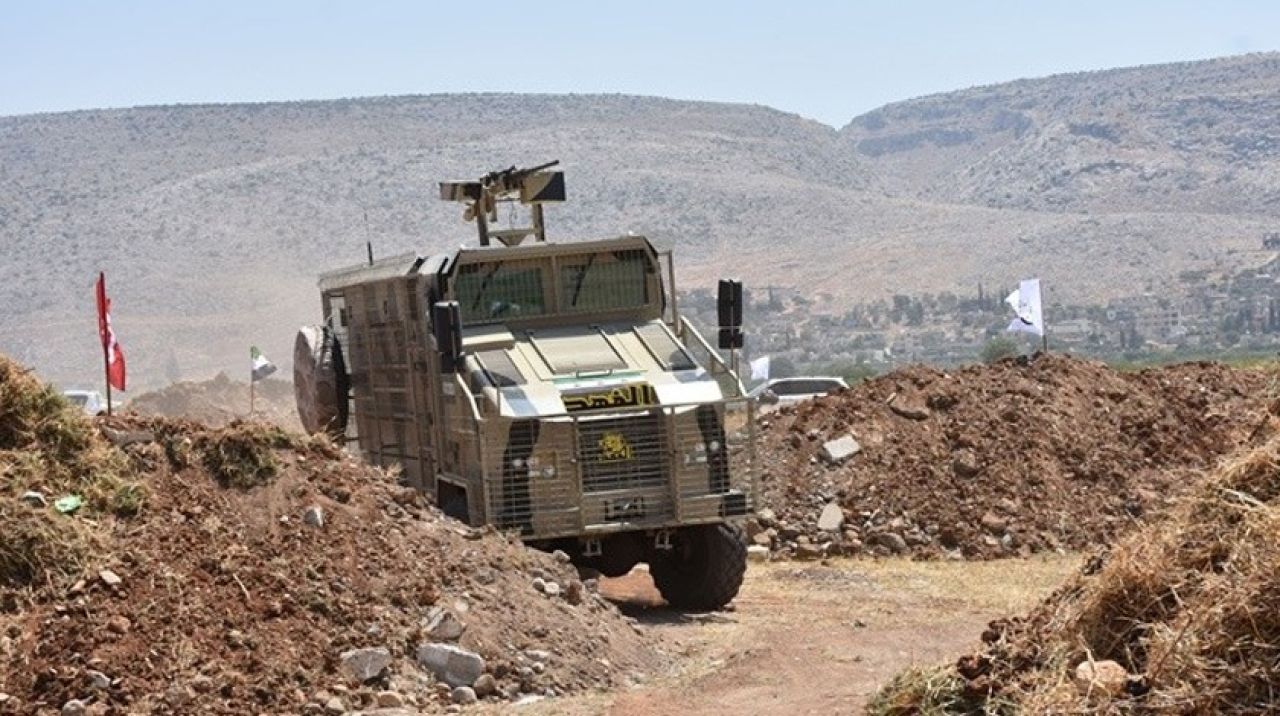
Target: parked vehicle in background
789, 391
90, 401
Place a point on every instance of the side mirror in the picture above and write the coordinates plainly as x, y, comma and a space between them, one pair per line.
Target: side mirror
769, 397
446, 326
729, 308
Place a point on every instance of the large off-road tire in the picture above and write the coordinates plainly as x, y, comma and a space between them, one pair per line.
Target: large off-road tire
703, 570
320, 382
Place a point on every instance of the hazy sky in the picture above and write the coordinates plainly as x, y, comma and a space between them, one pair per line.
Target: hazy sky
825, 60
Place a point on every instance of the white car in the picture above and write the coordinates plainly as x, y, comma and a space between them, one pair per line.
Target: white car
789, 391
90, 401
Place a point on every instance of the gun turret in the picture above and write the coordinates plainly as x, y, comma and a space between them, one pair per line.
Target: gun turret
532, 186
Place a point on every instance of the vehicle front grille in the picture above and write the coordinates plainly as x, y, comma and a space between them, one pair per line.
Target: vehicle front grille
622, 453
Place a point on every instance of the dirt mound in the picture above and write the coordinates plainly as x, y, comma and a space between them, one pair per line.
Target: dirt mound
1183, 616
997, 460
252, 560
221, 400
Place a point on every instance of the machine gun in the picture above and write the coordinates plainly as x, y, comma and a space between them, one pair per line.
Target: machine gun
533, 187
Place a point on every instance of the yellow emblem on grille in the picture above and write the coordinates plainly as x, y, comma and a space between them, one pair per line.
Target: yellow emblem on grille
613, 446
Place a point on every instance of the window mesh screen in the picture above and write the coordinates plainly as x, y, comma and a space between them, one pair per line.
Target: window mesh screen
499, 291
604, 281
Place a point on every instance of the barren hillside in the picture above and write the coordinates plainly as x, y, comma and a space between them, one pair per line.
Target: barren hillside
213, 220
1194, 137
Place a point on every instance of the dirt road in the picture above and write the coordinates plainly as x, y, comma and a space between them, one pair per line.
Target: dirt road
809, 638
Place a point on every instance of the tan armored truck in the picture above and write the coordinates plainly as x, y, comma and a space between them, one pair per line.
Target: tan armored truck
548, 389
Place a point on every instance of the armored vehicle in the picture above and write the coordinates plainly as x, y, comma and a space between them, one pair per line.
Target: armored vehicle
548, 389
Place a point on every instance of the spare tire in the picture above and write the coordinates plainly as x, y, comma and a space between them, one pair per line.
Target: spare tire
320, 381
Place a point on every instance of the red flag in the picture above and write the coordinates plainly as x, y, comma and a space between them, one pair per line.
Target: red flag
111, 350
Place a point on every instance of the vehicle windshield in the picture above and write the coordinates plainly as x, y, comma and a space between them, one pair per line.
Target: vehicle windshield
499, 291
508, 290
604, 281
78, 399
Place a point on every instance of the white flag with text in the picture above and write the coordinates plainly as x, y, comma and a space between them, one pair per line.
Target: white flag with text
760, 368
1026, 304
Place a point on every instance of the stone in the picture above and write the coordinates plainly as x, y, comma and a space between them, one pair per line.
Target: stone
443, 625
573, 592
561, 556
965, 463
809, 551
551, 589
314, 516
119, 624
485, 686
98, 680
125, 438
389, 700
464, 696
831, 519
366, 664
757, 553
910, 409
767, 517
109, 578
837, 451
1101, 677
451, 664
35, 499
1007, 506
540, 584
335, 707
891, 541
74, 707
993, 523
540, 656
764, 539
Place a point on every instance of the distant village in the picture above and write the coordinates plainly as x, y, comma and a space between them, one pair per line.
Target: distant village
1199, 317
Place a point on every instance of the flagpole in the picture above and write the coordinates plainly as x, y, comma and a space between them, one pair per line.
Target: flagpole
251, 396
106, 373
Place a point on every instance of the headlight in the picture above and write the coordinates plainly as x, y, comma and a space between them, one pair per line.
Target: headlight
517, 463
713, 446
548, 472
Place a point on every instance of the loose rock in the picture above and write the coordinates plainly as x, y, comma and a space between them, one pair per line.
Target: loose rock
443, 625
464, 695
831, 519
366, 664
1101, 677
451, 664
837, 451
314, 516
485, 686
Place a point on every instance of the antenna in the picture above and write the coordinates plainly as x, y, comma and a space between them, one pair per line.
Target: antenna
368, 241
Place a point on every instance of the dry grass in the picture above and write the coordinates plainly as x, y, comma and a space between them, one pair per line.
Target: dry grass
1190, 606
49, 446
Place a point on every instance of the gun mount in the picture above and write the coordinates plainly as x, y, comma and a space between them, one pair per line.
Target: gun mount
532, 186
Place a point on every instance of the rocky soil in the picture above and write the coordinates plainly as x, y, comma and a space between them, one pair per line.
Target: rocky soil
1181, 616
221, 400
995, 460
249, 570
